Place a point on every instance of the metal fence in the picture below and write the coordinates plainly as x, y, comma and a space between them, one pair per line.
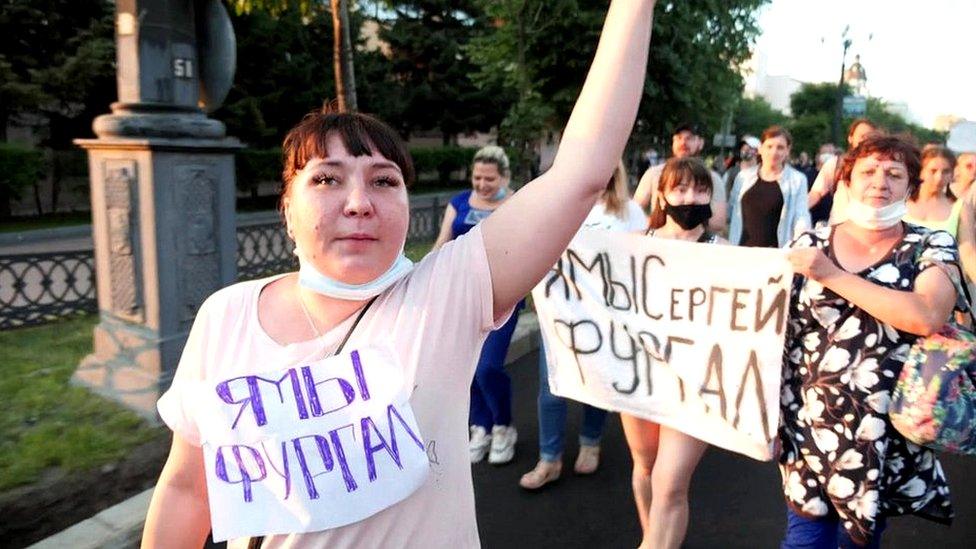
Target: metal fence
35, 288
40, 287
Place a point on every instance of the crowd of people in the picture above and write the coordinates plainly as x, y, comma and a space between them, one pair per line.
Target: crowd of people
872, 240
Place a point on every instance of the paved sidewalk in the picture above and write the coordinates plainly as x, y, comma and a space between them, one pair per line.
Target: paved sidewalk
735, 501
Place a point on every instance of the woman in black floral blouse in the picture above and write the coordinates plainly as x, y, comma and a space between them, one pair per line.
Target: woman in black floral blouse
864, 292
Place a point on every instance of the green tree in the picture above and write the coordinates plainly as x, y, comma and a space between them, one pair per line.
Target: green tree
427, 42
57, 65
753, 115
281, 74
813, 109
541, 50
342, 50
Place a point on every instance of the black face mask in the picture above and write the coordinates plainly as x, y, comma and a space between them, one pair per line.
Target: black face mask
688, 216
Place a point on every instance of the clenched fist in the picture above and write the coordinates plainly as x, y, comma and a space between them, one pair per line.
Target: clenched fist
812, 263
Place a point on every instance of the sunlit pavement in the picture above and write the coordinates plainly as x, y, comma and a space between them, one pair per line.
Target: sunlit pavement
735, 501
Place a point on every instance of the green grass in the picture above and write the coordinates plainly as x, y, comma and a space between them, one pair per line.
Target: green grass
417, 250
48, 221
46, 422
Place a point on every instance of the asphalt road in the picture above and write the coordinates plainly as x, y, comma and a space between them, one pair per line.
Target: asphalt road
735, 501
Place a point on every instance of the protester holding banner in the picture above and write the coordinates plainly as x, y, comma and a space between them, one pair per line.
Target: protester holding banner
665, 458
614, 212
492, 432
769, 202
865, 290
254, 389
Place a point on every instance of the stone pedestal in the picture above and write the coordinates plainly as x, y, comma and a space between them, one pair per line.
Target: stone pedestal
163, 194
164, 230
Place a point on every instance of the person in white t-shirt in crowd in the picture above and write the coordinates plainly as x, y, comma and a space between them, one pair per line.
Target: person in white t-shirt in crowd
746, 157
826, 183
686, 141
404, 339
615, 211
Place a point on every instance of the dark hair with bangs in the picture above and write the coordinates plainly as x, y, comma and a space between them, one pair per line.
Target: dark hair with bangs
887, 147
676, 171
361, 134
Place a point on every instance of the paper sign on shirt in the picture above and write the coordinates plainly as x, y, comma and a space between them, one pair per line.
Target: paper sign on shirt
311, 447
683, 334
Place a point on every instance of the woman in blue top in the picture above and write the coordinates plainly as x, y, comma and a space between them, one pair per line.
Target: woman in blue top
492, 432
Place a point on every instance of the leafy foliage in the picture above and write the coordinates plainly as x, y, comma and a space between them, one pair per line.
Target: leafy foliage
753, 115
540, 51
813, 110
57, 62
19, 169
427, 42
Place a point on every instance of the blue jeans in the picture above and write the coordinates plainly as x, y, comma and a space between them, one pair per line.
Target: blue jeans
824, 533
552, 418
491, 391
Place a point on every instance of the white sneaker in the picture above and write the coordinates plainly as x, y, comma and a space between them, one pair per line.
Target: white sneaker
503, 438
479, 443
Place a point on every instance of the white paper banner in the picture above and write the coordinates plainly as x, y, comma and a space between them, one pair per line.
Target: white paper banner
312, 447
683, 334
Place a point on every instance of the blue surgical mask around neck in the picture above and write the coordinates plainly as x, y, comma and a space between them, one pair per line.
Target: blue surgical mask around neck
311, 278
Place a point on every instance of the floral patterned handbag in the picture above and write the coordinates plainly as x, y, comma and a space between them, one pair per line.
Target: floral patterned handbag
934, 401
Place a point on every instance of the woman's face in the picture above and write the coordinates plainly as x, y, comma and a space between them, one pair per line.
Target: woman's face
486, 180
936, 173
348, 214
878, 182
774, 151
686, 193
860, 132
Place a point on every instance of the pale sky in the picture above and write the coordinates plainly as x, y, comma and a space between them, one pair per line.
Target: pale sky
922, 52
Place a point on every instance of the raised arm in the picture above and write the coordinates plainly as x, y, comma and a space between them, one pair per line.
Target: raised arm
525, 236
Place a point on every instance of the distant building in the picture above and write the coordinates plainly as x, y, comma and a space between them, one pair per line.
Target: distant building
775, 89
945, 122
901, 109
857, 78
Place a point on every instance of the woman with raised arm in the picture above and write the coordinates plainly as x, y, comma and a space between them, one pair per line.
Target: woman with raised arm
391, 467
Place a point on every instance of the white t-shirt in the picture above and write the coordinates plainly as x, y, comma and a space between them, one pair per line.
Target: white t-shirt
435, 320
599, 218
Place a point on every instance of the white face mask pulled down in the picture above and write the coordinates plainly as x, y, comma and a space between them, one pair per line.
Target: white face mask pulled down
874, 218
311, 278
